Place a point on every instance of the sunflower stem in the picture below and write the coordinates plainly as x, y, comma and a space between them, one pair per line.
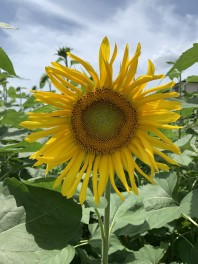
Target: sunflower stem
105, 240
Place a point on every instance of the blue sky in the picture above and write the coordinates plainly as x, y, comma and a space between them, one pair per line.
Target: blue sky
164, 28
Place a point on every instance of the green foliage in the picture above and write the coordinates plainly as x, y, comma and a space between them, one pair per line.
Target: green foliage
12, 118
188, 253
36, 224
5, 63
39, 225
147, 254
186, 60
192, 78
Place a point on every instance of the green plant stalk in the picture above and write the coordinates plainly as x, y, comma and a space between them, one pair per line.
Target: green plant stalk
105, 240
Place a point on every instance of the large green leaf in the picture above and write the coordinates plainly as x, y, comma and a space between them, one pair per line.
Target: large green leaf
184, 141
185, 158
153, 208
187, 59
46, 183
36, 224
160, 206
12, 118
189, 204
27, 252
167, 181
147, 255
188, 252
5, 63
130, 212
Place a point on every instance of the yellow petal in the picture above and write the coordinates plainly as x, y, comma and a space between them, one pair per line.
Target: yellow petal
79, 177
88, 67
44, 133
104, 174
104, 54
130, 168
111, 175
53, 122
162, 166
67, 84
132, 67
72, 75
157, 88
161, 116
72, 173
83, 191
165, 157
119, 169
155, 97
137, 86
64, 173
151, 68
59, 85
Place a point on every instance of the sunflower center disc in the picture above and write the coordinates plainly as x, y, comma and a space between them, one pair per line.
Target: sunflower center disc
103, 121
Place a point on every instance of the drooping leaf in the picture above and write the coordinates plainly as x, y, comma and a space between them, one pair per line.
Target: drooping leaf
187, 59
22, 147
5, 63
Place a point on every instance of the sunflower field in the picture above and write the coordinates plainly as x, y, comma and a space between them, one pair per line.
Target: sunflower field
54, 205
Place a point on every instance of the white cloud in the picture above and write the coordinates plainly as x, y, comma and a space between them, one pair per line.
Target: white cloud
163, 33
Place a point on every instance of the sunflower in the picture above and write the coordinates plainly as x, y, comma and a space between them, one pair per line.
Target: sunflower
101, 125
